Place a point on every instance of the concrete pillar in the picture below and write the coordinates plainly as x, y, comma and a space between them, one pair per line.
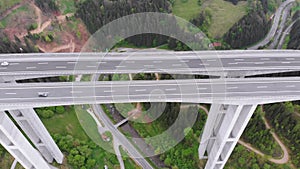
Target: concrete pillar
31, 124
210, 124
222, 132
18, 146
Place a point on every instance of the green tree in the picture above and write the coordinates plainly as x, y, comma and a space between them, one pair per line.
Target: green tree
46, 113
79, 160
168, 161
289, 108
90, 163
60, 109
47, 39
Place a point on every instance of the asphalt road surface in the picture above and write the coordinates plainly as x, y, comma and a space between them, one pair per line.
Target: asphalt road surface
206, 62
252, 90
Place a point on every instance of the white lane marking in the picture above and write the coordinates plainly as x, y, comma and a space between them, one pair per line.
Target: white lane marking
264, 58
14, 64
60, 67
204, 64
101, 62
171, 89
211, 60
119, 66
262, 87
290, 86
235, 63
140, 90
148, 65
109, 91
76, 92
91, 66
184, 61
130, 61
239, 59
259, 63
286, 62
31, 67
71, 62
10, 93
43, 63
157, 61
201, 88
2, 68
290, 58
176, 65
233, 87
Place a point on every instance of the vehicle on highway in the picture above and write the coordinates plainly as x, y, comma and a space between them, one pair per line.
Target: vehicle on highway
4, 63
43, 94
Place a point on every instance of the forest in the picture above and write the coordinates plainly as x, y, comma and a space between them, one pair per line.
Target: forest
265, 3
234, 1
16, 46
254, 23
47, 6
79, 153
259, 136
202, 20
287, 124
294, 42
94, 19
242, 158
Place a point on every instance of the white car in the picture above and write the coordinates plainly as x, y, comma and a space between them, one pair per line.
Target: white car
43, 94
4, 63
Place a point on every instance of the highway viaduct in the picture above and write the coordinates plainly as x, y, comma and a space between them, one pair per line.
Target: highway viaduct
233, 97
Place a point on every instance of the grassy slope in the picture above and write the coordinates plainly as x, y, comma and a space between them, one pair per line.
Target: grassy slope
66, 6
90, 127
187, 10
66, 123
224, 16
21, 11
4, 4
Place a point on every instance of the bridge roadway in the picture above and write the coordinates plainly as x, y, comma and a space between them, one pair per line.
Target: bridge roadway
149, 62
227, 91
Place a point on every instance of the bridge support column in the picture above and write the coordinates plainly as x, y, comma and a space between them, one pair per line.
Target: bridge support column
223, 128
18, 146
31, 124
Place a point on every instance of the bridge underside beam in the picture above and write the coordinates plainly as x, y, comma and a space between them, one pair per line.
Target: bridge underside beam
31, 124
12, 139
224, 127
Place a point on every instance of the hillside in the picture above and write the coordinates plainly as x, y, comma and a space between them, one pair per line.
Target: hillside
294, 42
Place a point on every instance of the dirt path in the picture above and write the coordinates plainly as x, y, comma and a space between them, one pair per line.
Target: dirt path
70, 46
8, 11
285, 158
297, 114
62, 18
249, 146
42, 26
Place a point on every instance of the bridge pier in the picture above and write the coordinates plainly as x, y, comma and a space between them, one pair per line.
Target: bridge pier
12, 139
31, 124
223, 128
